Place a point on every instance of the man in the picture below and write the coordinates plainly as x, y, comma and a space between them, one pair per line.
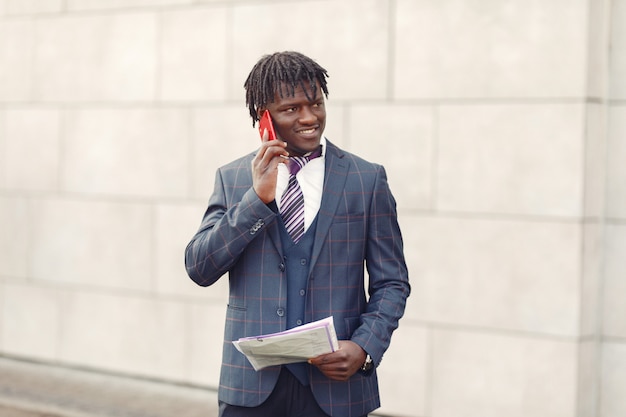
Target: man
285, 272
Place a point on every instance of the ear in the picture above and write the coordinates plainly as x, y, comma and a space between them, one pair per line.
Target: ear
259, 112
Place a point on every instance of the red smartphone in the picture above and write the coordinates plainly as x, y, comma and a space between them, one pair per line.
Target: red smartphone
266, 123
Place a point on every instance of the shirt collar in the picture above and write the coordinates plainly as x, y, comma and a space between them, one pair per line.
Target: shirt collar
322, 144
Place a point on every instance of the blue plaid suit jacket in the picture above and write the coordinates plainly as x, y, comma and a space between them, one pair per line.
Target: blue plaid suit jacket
357, 229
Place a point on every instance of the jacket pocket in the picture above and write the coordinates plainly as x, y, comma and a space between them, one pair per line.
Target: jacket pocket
235, 316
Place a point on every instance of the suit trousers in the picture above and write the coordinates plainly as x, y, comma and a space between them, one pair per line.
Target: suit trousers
289, 399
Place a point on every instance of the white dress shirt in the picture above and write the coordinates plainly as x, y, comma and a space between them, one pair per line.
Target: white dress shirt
311, 180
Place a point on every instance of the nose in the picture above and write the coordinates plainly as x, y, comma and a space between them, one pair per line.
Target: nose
307, 115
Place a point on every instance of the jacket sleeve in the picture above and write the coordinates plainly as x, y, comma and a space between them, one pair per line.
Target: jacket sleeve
388, 275
234, 217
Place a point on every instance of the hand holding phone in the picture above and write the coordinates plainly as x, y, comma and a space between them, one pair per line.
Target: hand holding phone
264, 165
266, 124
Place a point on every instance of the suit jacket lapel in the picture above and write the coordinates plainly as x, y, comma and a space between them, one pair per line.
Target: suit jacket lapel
274, 231
335, 176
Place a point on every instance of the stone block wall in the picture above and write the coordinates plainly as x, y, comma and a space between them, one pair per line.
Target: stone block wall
501, 125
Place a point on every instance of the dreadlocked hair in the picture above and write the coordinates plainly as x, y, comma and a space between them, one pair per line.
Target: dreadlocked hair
278, 71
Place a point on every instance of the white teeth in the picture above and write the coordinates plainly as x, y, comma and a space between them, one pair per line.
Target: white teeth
306, 132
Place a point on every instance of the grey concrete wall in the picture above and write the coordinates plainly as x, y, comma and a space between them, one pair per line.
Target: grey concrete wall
501, 125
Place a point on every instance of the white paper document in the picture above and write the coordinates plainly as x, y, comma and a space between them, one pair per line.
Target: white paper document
294, 345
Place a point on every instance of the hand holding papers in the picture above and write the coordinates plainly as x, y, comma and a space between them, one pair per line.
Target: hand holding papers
294, 345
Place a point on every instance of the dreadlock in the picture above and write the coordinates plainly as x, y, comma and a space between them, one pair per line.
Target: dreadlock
282, 70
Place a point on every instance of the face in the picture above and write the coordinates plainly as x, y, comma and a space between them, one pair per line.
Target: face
299, 121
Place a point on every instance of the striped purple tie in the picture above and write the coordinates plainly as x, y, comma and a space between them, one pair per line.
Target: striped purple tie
292, 201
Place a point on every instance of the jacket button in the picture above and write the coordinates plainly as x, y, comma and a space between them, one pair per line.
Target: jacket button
257, 226
280, 312
281, 266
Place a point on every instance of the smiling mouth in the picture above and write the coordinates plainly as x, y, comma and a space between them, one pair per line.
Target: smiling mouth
307, 131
